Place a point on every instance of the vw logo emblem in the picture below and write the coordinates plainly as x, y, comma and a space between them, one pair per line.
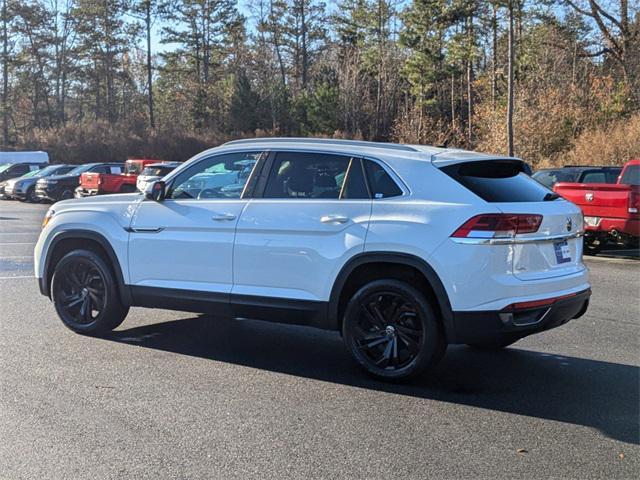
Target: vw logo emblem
588, 197
569, 224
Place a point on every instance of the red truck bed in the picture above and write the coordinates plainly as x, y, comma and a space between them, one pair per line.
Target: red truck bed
610, 210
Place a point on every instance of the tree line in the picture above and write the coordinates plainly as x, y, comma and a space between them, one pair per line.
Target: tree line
164, 78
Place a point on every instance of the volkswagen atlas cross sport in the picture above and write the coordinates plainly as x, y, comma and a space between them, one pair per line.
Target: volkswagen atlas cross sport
403, 249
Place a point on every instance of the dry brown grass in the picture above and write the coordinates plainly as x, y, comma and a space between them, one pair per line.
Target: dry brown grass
614, 144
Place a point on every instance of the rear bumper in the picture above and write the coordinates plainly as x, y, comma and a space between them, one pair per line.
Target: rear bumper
86, 192
489, 326
627, 226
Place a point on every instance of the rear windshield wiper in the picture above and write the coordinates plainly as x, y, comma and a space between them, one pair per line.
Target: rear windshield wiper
550, 196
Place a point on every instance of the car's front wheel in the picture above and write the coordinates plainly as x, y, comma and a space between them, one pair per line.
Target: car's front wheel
392, 331
31, 195
85, 294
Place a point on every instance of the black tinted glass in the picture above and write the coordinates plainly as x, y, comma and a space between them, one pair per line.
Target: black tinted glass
355, 186
380, 182
498, 181
307, 175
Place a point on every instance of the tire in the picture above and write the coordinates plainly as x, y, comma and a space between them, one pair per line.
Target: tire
391, 331
66, 195
592, 247
83, 284
127, 189
31, 195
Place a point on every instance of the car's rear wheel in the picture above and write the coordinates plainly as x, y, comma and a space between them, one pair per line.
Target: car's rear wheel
592, 246
391, 330
85, 294
127, 189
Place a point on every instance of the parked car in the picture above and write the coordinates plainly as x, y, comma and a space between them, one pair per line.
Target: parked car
24, 188
16, 164
98, 183
153, 172
577, 174
61, 187
404, 249
610, 211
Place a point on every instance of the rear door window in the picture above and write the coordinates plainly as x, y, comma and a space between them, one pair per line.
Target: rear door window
498, 181
315, 176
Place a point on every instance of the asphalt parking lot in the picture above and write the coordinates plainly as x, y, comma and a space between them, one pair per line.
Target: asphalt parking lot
177, 395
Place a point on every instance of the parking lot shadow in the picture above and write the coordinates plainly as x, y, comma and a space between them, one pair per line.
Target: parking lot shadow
585, 392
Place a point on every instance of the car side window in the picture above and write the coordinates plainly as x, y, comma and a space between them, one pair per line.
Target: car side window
315, 175
220, 176
115, 170
380, 182
20, 169
99, 169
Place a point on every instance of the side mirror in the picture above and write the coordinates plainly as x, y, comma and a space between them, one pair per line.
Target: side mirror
155, 191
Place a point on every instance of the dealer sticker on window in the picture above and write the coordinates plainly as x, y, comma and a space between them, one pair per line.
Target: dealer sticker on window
563, 254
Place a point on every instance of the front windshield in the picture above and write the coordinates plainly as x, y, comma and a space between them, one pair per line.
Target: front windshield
34, 173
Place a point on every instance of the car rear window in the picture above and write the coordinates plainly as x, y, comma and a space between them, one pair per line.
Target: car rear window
631, 175
498, 181
133, 167
156, 171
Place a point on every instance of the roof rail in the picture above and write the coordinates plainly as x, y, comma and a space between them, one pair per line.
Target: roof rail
326, 141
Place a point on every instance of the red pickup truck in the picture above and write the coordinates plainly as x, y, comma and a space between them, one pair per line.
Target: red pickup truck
610, 210
115, 182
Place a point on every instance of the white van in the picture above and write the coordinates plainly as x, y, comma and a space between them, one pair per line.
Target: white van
16, 164
24, 157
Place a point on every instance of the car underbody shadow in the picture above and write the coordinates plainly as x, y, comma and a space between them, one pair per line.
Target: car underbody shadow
591, 393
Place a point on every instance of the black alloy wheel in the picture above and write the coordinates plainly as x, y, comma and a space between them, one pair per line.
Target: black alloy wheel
391, 330
85, 295
81, 291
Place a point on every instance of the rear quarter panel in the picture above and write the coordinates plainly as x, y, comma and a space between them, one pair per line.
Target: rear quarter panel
420, 222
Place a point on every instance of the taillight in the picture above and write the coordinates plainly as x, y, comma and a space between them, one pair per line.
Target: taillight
634, 201
496, 225
99, 180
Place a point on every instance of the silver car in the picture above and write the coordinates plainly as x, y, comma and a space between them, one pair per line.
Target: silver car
24, 188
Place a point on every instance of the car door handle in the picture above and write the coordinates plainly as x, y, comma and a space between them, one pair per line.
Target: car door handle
220, 217
334, 219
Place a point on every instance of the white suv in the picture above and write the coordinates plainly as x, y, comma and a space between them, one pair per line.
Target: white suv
404, 249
